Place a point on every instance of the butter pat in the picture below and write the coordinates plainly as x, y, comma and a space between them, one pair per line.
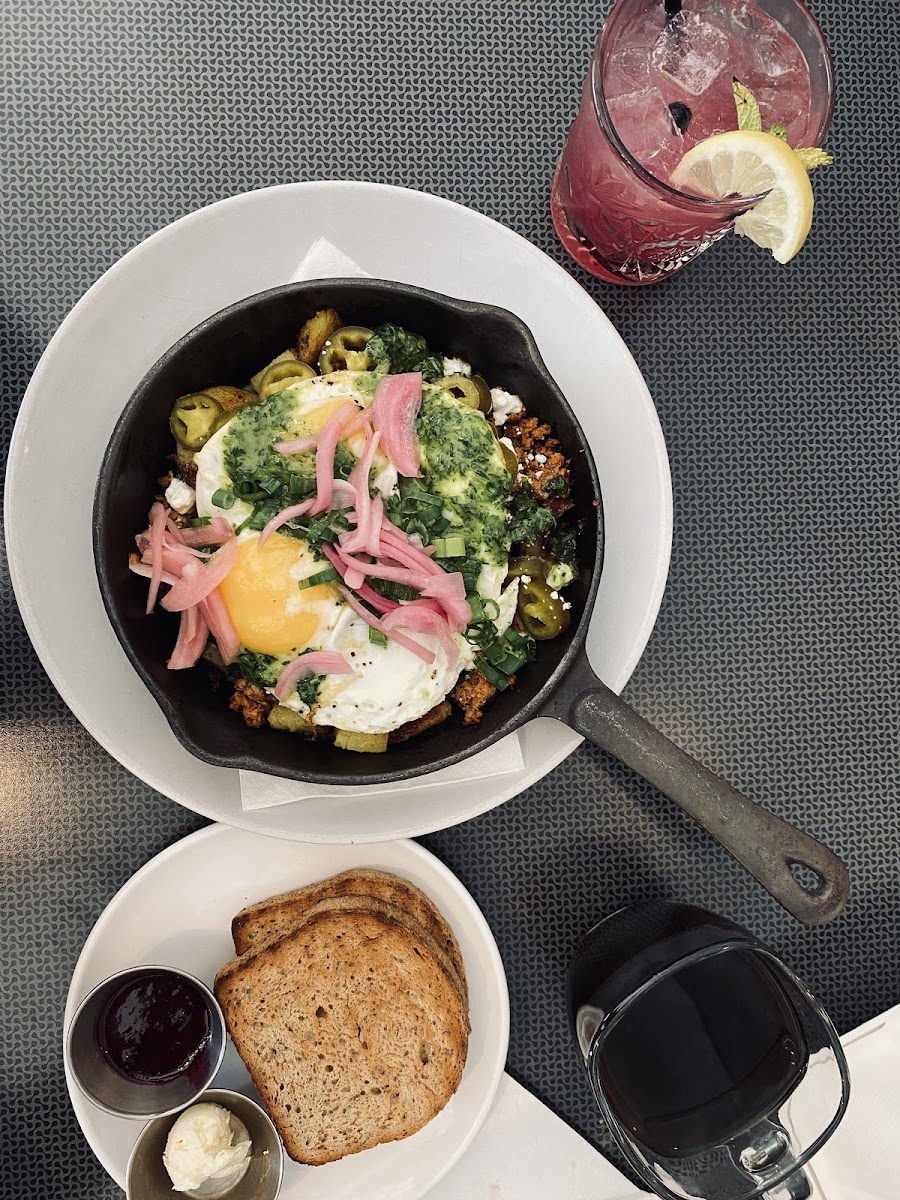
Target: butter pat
206, 1142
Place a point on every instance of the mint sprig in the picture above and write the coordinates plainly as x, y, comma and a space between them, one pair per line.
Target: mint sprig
749, 117
748, 113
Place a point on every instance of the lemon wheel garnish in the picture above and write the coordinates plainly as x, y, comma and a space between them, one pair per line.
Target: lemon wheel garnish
748, 163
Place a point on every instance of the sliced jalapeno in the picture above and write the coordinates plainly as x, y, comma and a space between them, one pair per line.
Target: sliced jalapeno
541, 614
528, 564
346, 350
231, 398
462, 387
512, 463
195, 419
280, 375
484, 393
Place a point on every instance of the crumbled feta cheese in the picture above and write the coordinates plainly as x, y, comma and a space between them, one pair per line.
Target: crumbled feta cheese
508, 442
456, 366
560, 575
504, 404
180, 496
540, 458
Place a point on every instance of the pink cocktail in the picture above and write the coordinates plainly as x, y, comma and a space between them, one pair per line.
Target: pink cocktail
661, 80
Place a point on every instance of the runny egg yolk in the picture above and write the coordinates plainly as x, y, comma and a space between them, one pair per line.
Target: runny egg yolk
313, 419
269, 612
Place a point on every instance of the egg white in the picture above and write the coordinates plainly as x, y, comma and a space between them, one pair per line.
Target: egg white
389, 686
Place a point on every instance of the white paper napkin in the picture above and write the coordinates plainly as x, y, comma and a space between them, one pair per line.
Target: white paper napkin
324, 260
523, 1151
266, 791
861, 1161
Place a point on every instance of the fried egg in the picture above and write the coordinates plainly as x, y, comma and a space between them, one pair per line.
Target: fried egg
275, 617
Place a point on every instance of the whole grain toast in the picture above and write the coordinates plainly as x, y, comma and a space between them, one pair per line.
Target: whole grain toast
292, 916
353, 1032
260, 923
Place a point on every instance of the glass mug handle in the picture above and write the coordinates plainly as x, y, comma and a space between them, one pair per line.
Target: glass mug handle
768, 1149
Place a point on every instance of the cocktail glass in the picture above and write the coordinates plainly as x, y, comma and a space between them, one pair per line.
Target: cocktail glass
660, 81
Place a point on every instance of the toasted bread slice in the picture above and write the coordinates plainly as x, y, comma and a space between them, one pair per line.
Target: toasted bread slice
353, 1032
293, 918
269, 919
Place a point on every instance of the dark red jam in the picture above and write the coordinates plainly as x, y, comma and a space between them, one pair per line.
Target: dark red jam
154, 1028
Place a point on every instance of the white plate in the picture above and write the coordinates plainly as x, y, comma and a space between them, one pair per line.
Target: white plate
216, 256
177, 911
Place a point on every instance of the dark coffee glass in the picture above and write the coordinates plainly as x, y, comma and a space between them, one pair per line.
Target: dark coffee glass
697, 1042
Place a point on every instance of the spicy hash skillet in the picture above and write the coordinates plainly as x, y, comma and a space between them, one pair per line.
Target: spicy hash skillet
364, 536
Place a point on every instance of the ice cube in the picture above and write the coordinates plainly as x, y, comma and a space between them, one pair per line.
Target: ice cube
644, 123
691, 53
777, 55
628, 72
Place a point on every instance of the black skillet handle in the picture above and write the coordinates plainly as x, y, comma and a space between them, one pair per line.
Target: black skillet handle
767, 846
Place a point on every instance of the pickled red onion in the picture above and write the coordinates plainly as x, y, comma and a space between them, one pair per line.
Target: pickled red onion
196, 586
316, 662
394, 410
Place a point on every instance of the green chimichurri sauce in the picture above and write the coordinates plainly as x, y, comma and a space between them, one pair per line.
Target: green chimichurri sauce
462, 463
257, 470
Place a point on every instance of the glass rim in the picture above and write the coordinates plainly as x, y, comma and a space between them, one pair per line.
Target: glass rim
627, 1145
705, 203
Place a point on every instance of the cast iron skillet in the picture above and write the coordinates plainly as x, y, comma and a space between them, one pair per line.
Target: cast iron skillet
227, 349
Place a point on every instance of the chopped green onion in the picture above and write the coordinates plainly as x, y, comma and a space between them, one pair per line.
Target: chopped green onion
329, 575
298, 486
377, 637
395, 591
520, 644
223, 498
470, 570
498, 656
260, 518
198, 522
271, 485
477, 607
449, 547
482, 634
500, 682
491, 609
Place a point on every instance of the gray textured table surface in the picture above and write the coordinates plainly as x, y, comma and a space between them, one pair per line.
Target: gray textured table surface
775, 658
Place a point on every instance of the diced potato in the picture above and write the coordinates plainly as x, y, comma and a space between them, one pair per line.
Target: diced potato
315, 333
282, 717
362, 743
